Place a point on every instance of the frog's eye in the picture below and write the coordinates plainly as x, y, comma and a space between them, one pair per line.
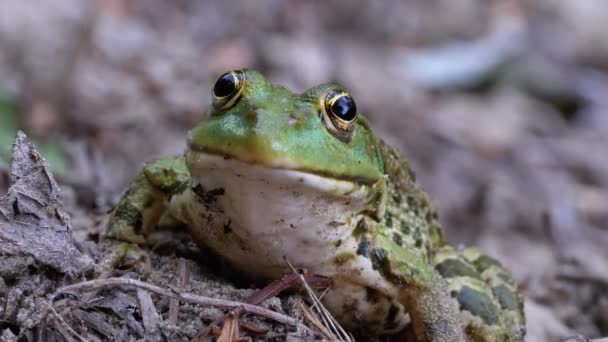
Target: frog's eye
228, 89
339, 113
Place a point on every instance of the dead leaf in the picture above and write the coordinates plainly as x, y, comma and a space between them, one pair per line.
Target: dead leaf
32, 219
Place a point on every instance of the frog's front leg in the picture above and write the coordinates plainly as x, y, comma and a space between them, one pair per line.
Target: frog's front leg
146, 201
422, 290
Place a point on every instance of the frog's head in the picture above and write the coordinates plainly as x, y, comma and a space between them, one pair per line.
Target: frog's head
319, 131
282, 160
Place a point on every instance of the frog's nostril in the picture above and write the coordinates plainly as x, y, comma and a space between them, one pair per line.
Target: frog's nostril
292, 120
252, 114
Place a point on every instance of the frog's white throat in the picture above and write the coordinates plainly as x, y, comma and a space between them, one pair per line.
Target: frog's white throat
272, 214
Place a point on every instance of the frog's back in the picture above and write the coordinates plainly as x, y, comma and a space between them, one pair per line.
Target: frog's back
490, 307
410, 218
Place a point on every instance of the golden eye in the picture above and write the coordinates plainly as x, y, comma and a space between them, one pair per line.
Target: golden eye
339, 113
228, 89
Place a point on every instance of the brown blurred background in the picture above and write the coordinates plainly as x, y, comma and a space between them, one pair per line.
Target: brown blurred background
500, 105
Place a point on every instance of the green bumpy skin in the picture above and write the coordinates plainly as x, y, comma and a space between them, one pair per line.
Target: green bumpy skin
388, 247
139, 210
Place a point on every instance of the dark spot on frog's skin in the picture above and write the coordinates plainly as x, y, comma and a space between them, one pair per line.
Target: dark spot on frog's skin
372, 206
405, 228
411, 201
397, 198
382, 264
506, 297
484, 262
478, 304
292, 226
415, 210
397, 239
360, 228
252, 113
427, 245
417, 237
390, 322
301, 180
338, 243
175, 189
450, 268
425, 206
372, 295
388, 221
131, 215
343, 258
227, 228
363, 248
379, 259
207, 197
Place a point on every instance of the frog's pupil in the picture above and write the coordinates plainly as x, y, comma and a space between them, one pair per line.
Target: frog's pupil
225, 85
344, 108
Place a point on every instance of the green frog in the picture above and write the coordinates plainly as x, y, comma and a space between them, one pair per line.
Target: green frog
271, 176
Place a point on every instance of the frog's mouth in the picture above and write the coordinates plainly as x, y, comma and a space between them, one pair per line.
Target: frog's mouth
207, 164
195, 151
356, 164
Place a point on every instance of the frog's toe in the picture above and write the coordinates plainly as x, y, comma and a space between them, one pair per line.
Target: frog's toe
126, 255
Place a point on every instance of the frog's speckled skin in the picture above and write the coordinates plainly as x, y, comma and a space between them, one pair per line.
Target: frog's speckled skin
265, 180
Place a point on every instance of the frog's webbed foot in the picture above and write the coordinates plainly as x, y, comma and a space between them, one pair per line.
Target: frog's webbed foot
125, 255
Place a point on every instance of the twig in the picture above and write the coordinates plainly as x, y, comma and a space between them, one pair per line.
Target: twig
270, 290
186, 297
314, 320
182, 282
149, 315
64, 323
339, 334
